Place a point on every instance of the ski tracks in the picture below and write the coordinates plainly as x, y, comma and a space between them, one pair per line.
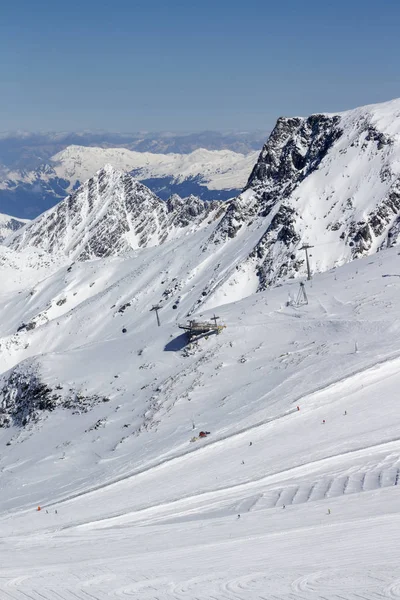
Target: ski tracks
346, 585
332, 584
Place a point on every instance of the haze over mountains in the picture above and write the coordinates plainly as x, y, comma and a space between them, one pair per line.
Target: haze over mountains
101, 408
39, 170
26, 150
210, 174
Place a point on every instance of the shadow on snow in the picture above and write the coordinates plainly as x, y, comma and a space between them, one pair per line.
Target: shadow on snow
183, 340
177, 343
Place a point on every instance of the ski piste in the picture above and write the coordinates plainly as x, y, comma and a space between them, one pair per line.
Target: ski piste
293, 407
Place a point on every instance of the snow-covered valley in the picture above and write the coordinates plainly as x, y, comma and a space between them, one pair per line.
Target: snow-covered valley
293, 494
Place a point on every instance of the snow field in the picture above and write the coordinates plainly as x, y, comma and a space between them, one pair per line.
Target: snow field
142, 511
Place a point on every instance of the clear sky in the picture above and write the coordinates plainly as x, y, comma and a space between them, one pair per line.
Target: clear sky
127, 65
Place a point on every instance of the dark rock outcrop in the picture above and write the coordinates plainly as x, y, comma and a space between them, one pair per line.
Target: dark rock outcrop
24, 398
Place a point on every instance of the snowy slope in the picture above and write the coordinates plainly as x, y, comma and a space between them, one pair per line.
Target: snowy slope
10, 224
141, 510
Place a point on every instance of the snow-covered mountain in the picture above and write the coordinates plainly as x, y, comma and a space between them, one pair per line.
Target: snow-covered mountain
28, 150
10, 224
332, 181
212, 175
101, 408
110, 214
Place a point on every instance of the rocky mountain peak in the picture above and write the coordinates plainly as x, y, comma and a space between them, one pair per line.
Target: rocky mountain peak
294, 149
110, 214
328, 180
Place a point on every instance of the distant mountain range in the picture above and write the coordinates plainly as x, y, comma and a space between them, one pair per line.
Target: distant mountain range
31, 181
24, 150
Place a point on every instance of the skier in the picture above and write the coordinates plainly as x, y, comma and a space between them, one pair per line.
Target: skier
238, 516
323, 421
345, 412
329, 511
283, 506
251, 443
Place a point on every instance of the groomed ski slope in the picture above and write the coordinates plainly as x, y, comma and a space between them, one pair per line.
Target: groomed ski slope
142, 512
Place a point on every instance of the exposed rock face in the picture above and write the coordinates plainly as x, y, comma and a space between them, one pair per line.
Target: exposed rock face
110, 214
332, 181
24, 398
183, 212
294, 149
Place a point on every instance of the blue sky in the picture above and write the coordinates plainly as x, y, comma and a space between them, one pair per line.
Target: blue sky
172, 65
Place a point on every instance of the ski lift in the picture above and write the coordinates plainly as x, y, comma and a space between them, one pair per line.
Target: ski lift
301, 298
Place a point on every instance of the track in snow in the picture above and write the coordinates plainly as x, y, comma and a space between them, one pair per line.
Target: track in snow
259, 585
330, 487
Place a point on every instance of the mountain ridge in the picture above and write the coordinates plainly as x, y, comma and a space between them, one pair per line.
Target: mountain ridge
111, 214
